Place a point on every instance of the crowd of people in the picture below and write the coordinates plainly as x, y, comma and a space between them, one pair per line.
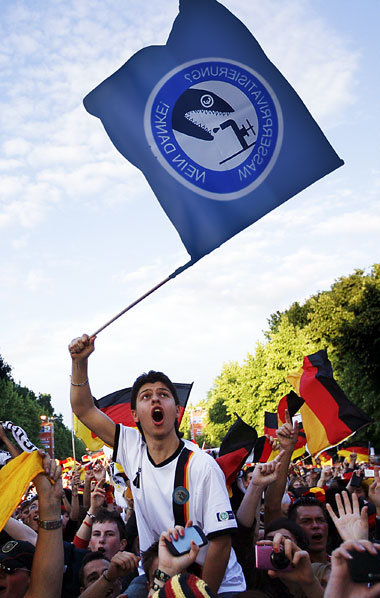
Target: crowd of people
281, 530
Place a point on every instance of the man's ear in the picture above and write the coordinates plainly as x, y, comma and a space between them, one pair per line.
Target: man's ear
123, 544
134, 415
178, 410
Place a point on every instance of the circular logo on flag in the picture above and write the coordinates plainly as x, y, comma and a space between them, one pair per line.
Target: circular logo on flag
216, 126
181, 495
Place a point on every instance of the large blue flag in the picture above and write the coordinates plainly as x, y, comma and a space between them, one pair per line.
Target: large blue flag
218, 132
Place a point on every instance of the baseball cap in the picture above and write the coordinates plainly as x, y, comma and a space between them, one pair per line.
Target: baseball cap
17, 554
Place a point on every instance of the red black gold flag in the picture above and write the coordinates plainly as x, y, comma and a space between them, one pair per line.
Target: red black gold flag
117, 406
263, 449
360, 448
292, 402
237, 444
327, 414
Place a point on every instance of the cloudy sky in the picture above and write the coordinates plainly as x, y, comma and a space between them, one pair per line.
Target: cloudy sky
82, 235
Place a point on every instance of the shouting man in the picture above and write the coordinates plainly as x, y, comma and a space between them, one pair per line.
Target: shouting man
173, 481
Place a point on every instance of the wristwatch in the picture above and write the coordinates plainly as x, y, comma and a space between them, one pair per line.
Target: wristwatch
50, 524
161, 575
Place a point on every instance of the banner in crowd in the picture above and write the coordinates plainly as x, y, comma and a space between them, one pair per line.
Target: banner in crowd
220, 135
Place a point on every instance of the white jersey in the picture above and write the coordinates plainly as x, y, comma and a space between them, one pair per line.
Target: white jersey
208, 503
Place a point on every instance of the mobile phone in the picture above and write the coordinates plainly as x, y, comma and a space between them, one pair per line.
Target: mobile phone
364, 567
369, 473
182, 545
356, 480
266, 559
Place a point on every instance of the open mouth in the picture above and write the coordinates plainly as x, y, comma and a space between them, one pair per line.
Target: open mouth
101, 549
317, 537
157, 415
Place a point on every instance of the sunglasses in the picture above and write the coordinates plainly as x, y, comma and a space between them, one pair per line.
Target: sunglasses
11, 570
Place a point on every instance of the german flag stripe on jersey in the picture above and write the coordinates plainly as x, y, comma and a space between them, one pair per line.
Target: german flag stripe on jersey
181, 492
327, 414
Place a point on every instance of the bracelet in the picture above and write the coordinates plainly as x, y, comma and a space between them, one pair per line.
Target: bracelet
85, 523
81, 384
57, 523
90, 515
161, 575
105, 576
156, 587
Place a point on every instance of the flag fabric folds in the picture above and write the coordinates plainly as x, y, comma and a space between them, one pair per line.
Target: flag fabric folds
236, 446
263, 449
328, 416
117, 405
220, 135
14, 480
360, 448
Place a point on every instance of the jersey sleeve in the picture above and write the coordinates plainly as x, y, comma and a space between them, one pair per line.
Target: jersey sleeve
212, 500
127, 447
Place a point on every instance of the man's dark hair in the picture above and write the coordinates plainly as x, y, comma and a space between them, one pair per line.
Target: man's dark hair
105, 516
304, 501
292, 527
147, 558
150, 378
90, 556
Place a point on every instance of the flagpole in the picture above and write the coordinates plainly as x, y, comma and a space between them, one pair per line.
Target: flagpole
160, 284
72, 438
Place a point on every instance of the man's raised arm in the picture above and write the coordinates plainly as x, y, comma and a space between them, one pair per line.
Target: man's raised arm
82, 402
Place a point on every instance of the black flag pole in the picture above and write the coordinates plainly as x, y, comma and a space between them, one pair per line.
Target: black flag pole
160, 284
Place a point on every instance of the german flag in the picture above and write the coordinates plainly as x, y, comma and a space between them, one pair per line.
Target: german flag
292, 402
327, 457
117, 406
327, 414
237, 444
263, 449
360, 448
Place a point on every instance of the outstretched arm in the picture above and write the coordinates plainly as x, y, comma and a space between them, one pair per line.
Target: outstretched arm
47, 570
81, 398
14, 452
287, 436
263, 475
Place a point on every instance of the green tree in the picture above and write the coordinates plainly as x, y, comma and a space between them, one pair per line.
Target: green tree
345, 320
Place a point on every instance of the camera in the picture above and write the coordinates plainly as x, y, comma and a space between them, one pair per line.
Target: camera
266, 559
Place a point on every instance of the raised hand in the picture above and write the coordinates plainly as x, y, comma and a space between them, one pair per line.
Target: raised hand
374, 491
287, 434
266, 473
171, 565
350, 522
81, 348
340, 584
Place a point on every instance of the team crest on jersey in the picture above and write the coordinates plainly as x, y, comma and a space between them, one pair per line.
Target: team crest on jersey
181, 495
216, 126
225, 515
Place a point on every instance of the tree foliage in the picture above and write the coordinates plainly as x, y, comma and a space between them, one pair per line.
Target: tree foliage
20, 405
345, 320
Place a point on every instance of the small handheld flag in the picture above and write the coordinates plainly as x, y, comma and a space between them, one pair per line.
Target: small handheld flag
220, 135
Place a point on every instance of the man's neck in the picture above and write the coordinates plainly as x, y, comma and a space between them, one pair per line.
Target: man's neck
319, 557
161, 449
